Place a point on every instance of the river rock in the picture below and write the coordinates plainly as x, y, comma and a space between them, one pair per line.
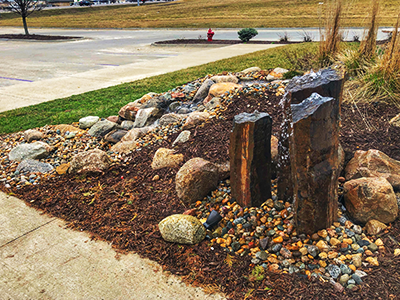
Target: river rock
34, 150
101, 128
374, 227
166, 158
195, 179
90, 161
171, 118
183, 137
370, 198
195, 118
182, 229
33, 135
33, 166
88, 122
147, 116
225, 78
203, 91
374, 163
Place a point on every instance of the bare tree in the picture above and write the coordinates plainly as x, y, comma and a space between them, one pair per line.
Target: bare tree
24, 8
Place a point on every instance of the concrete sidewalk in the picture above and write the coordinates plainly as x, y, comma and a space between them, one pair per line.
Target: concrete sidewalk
30, 93
40, 259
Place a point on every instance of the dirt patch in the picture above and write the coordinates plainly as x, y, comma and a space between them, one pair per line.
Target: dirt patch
124, 206
217, 42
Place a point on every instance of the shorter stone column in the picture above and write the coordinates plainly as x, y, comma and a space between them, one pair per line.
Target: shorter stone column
314, 162
250, 158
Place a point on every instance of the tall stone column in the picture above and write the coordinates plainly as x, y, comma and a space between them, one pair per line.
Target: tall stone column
250, 158
327, 83
314, 162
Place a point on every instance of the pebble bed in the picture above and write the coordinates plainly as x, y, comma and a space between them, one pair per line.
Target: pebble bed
267, 233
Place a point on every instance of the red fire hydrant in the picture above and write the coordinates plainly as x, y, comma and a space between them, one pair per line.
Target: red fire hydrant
210, 35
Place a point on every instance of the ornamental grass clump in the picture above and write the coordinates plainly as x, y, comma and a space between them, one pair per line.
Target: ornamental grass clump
247, 34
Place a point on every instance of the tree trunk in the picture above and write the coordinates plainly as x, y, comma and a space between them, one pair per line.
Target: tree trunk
25, 25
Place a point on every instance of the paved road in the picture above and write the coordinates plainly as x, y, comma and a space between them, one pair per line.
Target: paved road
27, 61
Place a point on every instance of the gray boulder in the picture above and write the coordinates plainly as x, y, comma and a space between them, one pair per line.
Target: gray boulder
34, 166
101, 128
171, 118
183, 137
146, 116
182, 229
203, 91
34, 150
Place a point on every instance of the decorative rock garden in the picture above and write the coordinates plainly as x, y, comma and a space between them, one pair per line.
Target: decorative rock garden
269, 167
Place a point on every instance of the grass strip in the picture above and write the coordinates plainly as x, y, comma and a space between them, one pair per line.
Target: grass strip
108, 101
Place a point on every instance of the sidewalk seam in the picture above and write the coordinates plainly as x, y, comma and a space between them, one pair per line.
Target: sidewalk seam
26, 233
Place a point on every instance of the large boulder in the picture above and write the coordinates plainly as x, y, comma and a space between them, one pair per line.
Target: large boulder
34, 150
370, 198
147, 116
88, 121
90, 161
182, 229
218, 89
225, 78
166, 158
195, 118
101, 128
129, 110
203, 91
171, 118
195, 179
33, 166
374, 163
33, 135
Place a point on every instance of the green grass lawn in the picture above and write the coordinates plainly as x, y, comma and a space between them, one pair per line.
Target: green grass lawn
106, 102
207, 13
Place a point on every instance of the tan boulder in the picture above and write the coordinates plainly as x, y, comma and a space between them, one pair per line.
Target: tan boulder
374, 163
125, 146
251, 69
374, 227
65, 127
219, 89
274, 154
114, 119
62, 169
128, 141
171, 118
195, 179
225, 78
166, 158
33, 135
370, 198
90, 161
195, 118
182, 229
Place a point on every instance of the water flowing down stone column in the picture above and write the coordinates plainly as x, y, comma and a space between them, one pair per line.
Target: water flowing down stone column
327, 83
314, 162
250, 158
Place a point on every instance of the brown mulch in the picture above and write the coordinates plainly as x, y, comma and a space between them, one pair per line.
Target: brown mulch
218, 42
37, 37
124, 206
